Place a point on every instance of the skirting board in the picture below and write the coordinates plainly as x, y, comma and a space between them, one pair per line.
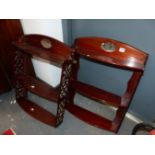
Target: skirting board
130, 116
133, 118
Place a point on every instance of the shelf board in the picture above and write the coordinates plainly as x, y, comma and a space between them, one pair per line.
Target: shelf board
96, 93
90, 117
37, 112
39, 88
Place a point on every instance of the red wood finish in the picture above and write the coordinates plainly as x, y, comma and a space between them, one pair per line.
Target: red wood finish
54, 51
36, 111
31, 44
33, 85
132, 58
129, 58
90, 117
96, 93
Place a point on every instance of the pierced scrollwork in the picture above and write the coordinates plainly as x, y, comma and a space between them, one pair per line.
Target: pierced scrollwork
20, 90
64, 89
18, 68
63, 93
18, 61
60, 111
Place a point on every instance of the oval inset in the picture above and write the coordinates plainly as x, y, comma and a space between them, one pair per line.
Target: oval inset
108, 47
46, 43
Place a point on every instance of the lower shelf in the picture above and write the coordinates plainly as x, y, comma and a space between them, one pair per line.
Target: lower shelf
38, 87
37, 112
91, 117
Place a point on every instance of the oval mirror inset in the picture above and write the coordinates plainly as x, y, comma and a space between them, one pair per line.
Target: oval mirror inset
108, 47
46, 43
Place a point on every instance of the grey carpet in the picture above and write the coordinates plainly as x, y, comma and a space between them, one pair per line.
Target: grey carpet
12, 116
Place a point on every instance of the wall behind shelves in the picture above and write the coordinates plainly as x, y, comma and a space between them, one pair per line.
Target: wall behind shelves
49, 27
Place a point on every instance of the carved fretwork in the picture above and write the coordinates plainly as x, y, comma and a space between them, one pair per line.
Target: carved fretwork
18, 69
64, 89
18, 62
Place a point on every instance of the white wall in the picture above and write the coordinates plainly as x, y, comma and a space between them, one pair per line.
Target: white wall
53, 28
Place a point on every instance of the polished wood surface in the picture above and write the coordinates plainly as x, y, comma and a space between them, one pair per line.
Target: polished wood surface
38, 87
10, 30
128, 58
90, 117
124, 55
68, 59
36, 111
31, 44
54, 51
96, 93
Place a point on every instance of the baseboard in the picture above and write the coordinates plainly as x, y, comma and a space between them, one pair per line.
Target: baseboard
129, 116
133, 118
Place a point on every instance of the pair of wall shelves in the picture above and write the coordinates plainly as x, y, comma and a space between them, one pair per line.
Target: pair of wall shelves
102, 50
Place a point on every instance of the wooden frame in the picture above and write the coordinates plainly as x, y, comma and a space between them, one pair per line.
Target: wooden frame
119, 55
53, 51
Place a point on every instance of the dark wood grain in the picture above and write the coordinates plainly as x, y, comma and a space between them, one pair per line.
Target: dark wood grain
33, 85
4, 82
57, 52
96, 93
31, 44
132, 59
68, 59
89, 117
10, 30
36, 111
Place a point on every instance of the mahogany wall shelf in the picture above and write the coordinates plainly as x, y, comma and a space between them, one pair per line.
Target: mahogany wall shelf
106, 51
53, 51
115, 54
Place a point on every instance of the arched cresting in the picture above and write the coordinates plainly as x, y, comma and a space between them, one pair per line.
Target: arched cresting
55, 52
112, 53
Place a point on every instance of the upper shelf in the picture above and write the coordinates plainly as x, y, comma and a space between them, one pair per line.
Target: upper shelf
44, 47
111, 52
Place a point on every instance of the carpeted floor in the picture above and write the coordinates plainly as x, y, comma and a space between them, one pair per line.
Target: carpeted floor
12, 116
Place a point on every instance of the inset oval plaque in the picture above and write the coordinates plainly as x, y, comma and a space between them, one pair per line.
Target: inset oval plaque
46, 43
108, 47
